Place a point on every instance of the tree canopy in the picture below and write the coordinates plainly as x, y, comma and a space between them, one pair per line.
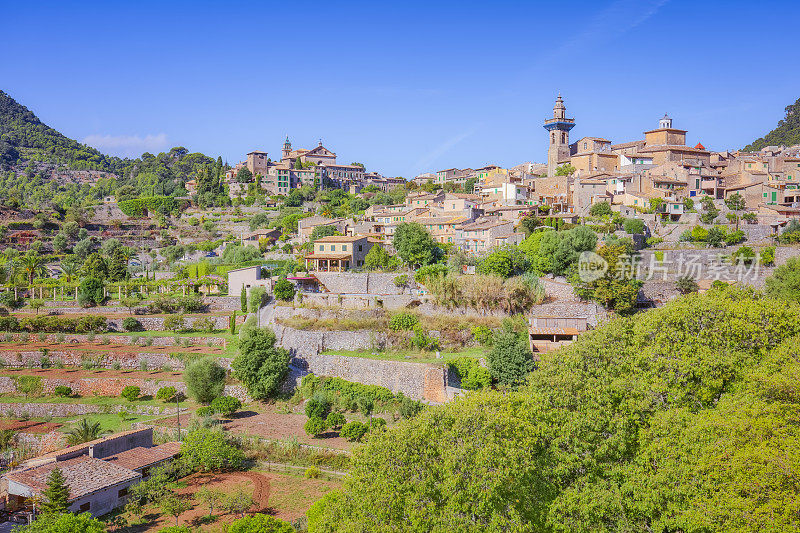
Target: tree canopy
677, 420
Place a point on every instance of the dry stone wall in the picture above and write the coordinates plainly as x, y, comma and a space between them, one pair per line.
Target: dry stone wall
113, 387
416, 380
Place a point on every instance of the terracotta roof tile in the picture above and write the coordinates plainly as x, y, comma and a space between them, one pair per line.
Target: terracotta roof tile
84, 475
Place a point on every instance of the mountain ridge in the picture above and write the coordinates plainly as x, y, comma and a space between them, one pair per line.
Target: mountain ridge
787, 133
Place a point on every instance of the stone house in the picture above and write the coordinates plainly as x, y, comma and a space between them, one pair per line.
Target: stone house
484, 234
339, 253
98, 473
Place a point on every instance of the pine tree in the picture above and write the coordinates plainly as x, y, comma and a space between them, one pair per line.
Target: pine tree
56, 495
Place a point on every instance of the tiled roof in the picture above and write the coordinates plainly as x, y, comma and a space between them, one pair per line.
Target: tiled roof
141, 457
84, 475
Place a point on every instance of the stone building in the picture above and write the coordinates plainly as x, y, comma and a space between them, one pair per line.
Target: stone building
558, 127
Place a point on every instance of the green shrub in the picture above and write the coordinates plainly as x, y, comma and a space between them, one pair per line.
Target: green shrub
410, 408
768, 256
403, 321
63, 391
312, 472
166, 394
401, 280
131, 393
354, 431
226, 405
315, 426
131, 324
335, 420
427, 271
205, 324
472, 375
318, 406
377, 423
175, 323
284, 290
482, 335
633, 226
205, 410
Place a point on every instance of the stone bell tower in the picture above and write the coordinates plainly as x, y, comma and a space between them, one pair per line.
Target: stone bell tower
558, 127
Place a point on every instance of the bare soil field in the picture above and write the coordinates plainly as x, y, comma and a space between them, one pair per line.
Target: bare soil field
273, 425
28, 426
283, 496
123, 349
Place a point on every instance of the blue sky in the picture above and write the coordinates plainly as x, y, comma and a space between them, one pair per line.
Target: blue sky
403, 87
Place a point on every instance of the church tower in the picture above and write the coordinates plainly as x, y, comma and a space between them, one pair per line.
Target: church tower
558, 127
287, 149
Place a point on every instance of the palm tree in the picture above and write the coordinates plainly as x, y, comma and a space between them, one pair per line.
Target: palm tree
32, 265
69, 269
84, 432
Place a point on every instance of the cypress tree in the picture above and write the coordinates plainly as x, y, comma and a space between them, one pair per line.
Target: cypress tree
243, 298
56, 495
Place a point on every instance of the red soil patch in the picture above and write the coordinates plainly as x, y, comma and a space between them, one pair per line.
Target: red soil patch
28, 426
272, 425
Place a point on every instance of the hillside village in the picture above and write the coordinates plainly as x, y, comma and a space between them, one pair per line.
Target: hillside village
181, 335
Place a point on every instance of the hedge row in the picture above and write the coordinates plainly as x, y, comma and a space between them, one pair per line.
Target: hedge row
139, 207
349, 388
84, 324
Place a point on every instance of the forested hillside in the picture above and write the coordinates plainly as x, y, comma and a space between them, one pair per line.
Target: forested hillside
23, 135
681, 419
787, 133
24, 139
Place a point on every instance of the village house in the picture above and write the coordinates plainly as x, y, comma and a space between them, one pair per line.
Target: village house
339, 253
98, 473
484, 234
243, 279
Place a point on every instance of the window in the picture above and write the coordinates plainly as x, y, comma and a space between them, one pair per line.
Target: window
321, 247
333, 247
360, 247
85, 506
122, 493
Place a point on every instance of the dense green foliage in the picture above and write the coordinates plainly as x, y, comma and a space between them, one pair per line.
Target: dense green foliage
64, 523
209, 450
23, 132
205, 380
682, 419
787, 132
414, 244
141, 207
260, 366
785, 281
260, 523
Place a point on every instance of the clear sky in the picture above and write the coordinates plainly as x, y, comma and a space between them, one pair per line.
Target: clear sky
404, 87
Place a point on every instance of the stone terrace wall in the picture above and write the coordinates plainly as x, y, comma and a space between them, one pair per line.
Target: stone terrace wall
416, 380
312, 342
35, 409
375, 283
113, 387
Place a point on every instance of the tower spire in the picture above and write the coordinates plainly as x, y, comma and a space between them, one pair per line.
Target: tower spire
558, 128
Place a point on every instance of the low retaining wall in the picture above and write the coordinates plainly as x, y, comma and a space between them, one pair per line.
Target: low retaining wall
112, 387
418, 381
76, 409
